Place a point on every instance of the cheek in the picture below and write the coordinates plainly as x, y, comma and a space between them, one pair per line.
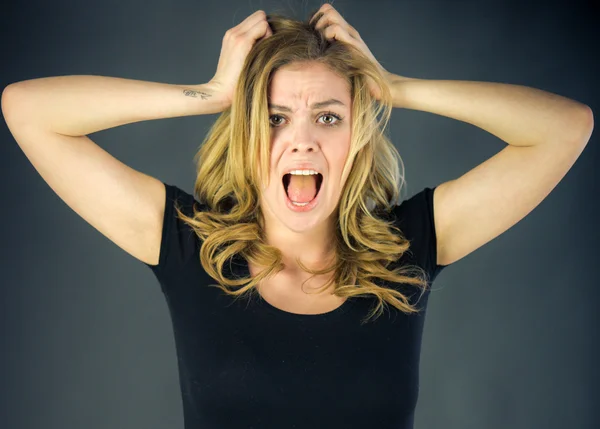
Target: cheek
341, 158
339, 153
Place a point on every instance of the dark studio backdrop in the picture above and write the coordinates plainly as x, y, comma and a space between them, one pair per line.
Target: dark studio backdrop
511, 336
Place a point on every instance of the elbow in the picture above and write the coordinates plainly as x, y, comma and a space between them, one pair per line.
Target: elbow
16, 107
582, 125
588, 122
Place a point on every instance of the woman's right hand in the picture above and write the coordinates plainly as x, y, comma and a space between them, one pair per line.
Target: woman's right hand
237, 43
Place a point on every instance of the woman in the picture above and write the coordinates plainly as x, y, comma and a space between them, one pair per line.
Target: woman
320, 249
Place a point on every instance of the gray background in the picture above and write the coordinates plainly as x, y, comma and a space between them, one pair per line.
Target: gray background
511, 334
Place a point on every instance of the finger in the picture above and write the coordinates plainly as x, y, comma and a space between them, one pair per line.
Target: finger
316, 17
332, 16
317, 20
324, 8
322, 13
337, 32
250, 21
267, 34
269, 30
260, 30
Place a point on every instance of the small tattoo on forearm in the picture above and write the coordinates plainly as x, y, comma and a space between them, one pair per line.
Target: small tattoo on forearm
195, 94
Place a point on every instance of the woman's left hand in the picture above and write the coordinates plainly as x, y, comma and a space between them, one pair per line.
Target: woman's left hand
333, 26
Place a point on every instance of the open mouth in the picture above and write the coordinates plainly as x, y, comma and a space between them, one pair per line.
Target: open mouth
318, 178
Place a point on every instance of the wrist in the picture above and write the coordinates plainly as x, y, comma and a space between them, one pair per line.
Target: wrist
397, 85
209, 96
395, 78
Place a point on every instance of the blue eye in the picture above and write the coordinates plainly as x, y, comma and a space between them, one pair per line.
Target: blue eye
331, 124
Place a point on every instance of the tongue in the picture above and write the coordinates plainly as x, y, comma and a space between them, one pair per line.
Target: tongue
302, 189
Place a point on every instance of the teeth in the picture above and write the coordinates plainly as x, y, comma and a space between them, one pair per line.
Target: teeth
299, 204
303, 172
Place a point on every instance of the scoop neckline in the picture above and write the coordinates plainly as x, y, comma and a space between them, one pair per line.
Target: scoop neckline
241, 268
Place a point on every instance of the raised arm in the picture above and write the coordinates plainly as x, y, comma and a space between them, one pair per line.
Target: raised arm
80, 105
49, 118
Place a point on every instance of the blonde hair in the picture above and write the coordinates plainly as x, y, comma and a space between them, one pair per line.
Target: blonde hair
235, 154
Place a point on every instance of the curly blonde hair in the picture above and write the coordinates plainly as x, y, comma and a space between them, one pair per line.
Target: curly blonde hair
234, 156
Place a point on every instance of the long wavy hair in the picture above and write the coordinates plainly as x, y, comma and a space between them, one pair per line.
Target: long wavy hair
233, 160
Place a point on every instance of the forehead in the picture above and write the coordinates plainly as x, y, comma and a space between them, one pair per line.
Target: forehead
296, 83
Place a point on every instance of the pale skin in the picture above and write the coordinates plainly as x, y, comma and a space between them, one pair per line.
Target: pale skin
545, 134
51, 118
320, 136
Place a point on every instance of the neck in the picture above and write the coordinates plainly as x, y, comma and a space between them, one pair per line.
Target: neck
315, 248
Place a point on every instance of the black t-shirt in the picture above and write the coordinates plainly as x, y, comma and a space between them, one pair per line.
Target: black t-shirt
247, 364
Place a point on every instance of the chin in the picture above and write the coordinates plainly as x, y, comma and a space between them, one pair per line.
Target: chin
296, 222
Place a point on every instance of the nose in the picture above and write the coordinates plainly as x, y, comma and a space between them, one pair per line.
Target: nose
304, 140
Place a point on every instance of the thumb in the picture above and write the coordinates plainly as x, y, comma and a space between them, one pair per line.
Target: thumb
261, 32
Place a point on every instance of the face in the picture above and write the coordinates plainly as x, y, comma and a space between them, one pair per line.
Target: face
301, 132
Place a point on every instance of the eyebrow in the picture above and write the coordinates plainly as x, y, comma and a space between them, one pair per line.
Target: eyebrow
318, 105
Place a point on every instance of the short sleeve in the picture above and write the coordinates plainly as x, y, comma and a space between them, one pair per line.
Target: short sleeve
179, 242
415, 219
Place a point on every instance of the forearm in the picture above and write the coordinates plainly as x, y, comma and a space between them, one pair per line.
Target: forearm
519, 115
83, 104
